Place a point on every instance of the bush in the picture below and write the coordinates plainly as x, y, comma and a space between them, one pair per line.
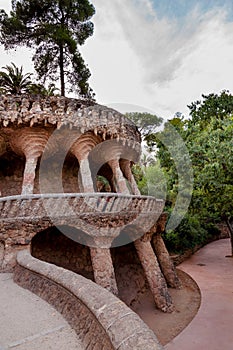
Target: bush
187, 235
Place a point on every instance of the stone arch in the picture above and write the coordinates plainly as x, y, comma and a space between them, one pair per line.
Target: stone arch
53, 246
130, 276
11, 174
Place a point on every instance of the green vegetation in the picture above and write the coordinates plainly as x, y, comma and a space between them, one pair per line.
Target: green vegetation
147, 123
208, 136
13, 81
54, 29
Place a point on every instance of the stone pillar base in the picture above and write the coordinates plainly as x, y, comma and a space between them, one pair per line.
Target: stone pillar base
154, 276
104, 273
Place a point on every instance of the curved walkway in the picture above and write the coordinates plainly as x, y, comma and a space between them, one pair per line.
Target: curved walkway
212, 326
28, 322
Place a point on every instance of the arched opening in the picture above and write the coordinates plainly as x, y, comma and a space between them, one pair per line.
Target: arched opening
11, 174
105, 179
70, 174
54, 246
130, 277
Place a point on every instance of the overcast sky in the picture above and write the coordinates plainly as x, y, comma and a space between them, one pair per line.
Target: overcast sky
159, 55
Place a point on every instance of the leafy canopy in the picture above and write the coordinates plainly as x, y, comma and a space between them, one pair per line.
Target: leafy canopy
54, 29
146, 122
208, 135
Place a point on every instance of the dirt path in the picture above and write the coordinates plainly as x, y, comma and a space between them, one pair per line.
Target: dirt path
212, 326
190, 327
167, 326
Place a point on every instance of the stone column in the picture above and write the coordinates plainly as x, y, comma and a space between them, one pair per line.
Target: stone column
120, 181
104, 273
126, 168
29, 175
85, 176
154, 276
165, 262
9, 256
30, 143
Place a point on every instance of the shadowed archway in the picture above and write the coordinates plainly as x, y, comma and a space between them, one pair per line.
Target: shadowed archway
52, 246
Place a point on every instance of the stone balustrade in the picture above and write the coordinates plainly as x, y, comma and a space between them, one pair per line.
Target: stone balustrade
75, 204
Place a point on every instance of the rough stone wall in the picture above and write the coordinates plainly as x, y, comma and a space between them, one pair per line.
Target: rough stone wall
61, 111
54, 247
102, 321
130, 277
11, 175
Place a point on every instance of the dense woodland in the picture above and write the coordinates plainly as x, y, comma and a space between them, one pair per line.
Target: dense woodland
208, 136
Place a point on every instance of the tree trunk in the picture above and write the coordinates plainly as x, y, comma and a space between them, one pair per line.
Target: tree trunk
228, 222
61, 64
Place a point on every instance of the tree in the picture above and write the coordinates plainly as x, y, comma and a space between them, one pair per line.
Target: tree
208, 135
212, 106
54, 28
39, 89
147, 123
12, 80
211, 150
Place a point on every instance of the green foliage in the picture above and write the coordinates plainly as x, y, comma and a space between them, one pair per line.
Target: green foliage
55, 29
150, 180
39, 89
190, 233
13, 81
208, 135
213, 106
147, 123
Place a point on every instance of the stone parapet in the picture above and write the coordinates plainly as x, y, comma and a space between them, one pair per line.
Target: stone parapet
69, 204
102, 321
101, 215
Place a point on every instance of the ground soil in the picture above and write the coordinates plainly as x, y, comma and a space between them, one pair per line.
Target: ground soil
167, 326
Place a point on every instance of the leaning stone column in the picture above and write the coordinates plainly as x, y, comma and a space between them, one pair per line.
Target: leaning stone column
162, 254
85, 176
165, 261
104, 273
29, 175
119, 178
126, 168
154, 276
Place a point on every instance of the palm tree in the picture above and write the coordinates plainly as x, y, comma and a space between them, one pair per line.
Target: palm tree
13, 81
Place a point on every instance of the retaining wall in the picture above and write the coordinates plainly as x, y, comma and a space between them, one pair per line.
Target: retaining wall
102, 321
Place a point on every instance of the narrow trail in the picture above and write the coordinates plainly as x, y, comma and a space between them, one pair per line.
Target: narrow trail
212, 326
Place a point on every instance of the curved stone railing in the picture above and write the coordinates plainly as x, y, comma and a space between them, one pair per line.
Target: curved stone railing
75, 204
101, 320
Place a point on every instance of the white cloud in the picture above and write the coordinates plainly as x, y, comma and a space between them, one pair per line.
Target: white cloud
156, 63
162, 65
